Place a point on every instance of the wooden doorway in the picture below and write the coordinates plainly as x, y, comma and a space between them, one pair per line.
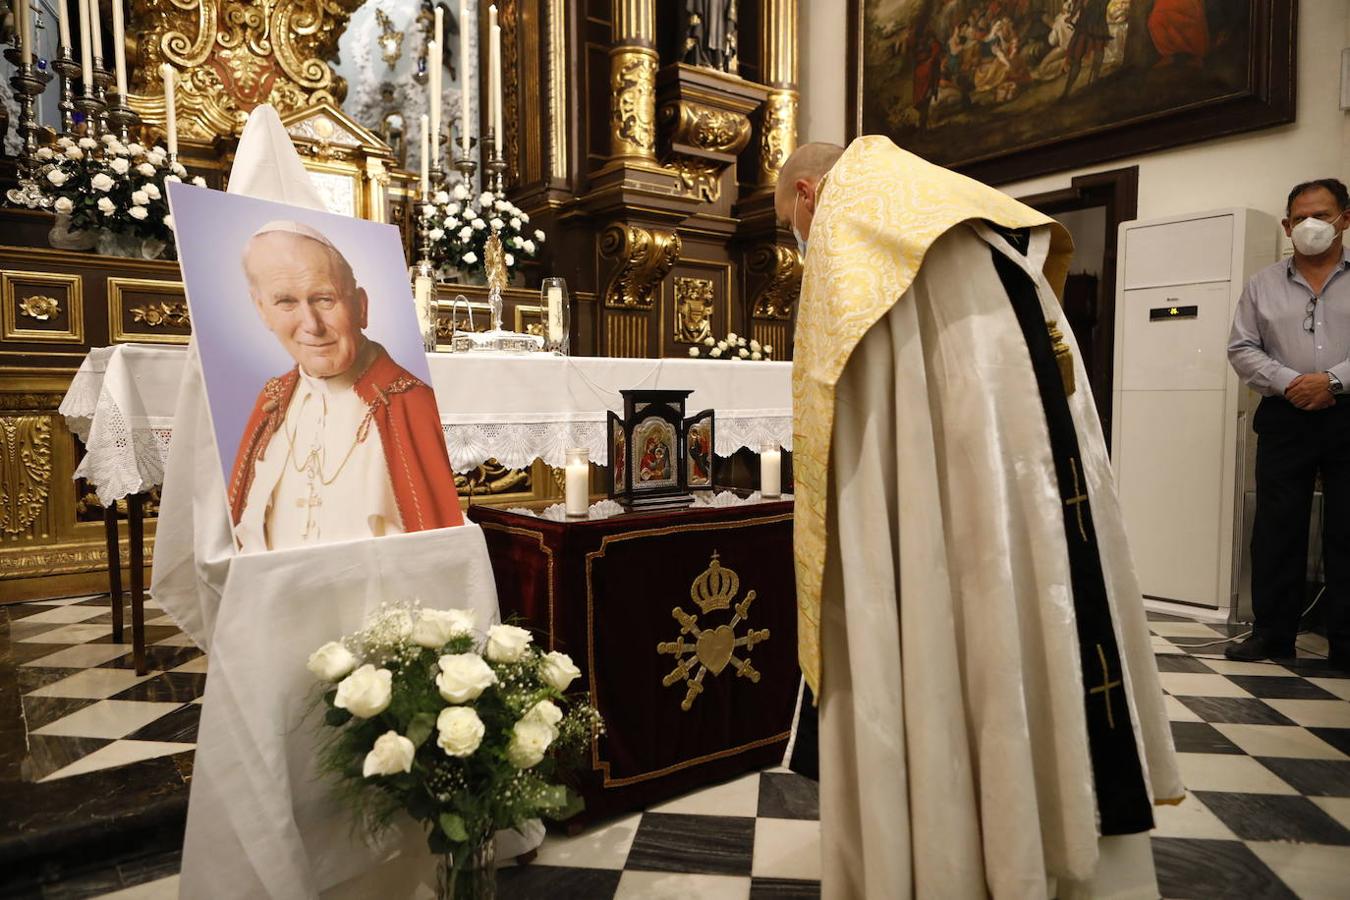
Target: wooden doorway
1092, 208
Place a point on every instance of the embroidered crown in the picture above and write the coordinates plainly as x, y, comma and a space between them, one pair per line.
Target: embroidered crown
715, 588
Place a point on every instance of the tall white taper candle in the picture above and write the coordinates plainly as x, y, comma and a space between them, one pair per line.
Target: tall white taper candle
119, 48
426, 157
86, 50
434, 85
170, 112
23, 31
464, 75
96, 28
63, 23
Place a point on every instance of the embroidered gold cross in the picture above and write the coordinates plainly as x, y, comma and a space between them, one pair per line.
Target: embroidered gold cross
1063, 355
309, 504
1105, 688
1077, 501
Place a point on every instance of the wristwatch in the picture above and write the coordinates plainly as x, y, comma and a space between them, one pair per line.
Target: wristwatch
1335, 385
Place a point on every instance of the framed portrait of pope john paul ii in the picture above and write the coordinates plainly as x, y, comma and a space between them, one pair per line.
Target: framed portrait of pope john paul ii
1009, 89
318, 387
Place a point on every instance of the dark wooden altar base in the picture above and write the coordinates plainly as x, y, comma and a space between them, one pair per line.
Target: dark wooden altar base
604, 592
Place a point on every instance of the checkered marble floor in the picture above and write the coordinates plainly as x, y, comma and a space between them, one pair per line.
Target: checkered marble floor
1264, 750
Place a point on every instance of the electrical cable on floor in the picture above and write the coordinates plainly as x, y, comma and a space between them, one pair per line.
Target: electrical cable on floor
1238, 637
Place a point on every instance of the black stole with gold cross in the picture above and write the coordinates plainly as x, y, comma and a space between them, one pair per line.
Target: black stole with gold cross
1122, 798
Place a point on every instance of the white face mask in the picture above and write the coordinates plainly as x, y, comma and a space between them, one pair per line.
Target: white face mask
1313, 236
801, 241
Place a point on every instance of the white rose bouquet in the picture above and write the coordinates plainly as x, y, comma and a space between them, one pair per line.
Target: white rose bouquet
106, 185
732, 347
459, 224
467, 732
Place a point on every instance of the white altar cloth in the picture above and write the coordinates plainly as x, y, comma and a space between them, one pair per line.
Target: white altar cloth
515, 409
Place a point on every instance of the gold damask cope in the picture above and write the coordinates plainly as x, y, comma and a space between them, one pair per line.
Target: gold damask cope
233, 55
645, 256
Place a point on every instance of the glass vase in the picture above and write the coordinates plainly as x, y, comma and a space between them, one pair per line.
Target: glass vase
556, 314
475, 880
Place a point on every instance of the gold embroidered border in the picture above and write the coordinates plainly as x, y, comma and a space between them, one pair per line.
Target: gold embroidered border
548, 553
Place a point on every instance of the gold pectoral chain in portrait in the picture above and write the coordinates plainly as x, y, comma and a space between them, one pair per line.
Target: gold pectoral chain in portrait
361, 431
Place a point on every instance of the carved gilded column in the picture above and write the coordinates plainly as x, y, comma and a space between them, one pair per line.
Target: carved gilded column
632, 81
778, 64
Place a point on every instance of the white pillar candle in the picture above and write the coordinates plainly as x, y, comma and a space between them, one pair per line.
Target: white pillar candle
170, 113
497, 83
770, 472
426, 158
23, 32
577, 493
119, 48
434, 85
96, 28
464, 75
555, 325
86, 50
63, 23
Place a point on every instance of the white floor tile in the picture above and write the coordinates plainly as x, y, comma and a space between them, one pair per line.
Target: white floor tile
158, 620
1163, 645
81, 657
119, 753
197, 664
787, 848
634, 885
735, 798
65, 615
108, 719
69, 634
177, 640
1313, 871
1233, 667
1338, 686
64, 601
1184, 629
1315, 713
1190, 819
95, 684
1279, 740
1178, 711
1198, 684
604, 847
163, 889
1336, 807
1313, 643
1228, 772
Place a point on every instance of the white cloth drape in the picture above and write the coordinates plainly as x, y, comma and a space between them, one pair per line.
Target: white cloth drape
954, 755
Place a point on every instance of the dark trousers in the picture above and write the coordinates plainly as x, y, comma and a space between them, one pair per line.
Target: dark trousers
1292, 448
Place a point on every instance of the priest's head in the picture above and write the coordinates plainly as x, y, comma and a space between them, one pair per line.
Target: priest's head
794, 200
307, 295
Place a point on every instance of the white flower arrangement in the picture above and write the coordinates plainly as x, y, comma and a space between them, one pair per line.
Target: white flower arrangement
734, 348
465, 732
465, 222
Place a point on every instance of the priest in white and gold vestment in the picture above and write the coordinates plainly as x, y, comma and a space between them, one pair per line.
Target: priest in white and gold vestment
991, 722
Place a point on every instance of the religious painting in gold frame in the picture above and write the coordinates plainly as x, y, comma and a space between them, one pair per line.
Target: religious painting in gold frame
1009, 89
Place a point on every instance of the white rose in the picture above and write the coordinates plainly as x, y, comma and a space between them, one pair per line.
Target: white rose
117, 149
731, 337
478, 224
507, 643
151, 191
45, 153
199, 181
57, 177
465, 233
538, 235
156, 159
109, 139
756, 355
428, 210
529, 246
140, 198
510, 260
529, 739
172, 178
693, 351
146, 169
178, 169
88, 143
452, 209
545, 711
436, 234
137, 212
459, 731
557, 669
517, 243
496, 224
715, 352
485, 199
120, 166
450, 222
743, 353
464, 676
74, 153
105, 205
63, 205
64, 142
524, 217
392, 753
754, 345
101, 182
435, 627
502, 206
515, 224
469, 258
135, 148
734, 358
708, 341
441, 197
460, 192
366, 692
168, 221
767, 349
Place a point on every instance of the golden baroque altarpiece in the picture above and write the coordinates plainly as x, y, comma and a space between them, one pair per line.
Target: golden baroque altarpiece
653, 179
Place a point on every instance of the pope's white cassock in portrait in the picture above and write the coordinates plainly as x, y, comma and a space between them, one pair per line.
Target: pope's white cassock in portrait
991, 722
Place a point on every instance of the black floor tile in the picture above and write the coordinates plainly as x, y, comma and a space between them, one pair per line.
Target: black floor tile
783, 889
788, 796
1275, 687
1316, 668
1312, 777
101, 600
1181, 662
39, 711
153, 633
1336, 737
1201, 737
48, 753
1190, 869
151, 868
30, 678
1275, 817
20, 611
182, 687
536, 882
713, 845
21, 652
161, 658
179, 726
1235, 711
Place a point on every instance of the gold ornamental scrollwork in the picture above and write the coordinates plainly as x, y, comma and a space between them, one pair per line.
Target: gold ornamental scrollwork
40, 307
162, 315
781, 268
698, 178
633, 102
713, 647
693, 309
25, 472
706, 128
778, 134
233, 55
645, 255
